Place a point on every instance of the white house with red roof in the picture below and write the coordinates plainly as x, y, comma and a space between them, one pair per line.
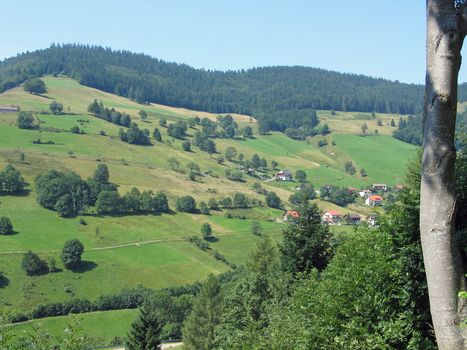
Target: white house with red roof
332, 217
374, 201
284, 175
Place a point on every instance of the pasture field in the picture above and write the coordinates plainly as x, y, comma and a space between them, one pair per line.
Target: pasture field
124, 251
117, 323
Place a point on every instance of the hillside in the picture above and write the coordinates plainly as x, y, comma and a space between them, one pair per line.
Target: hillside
123, 251
281, 96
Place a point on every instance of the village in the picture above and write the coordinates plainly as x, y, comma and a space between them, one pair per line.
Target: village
371, 197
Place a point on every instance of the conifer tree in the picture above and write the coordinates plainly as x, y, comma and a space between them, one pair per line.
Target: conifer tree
198, 330
145, 332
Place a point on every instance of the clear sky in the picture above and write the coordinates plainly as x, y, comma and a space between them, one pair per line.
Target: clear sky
381, 38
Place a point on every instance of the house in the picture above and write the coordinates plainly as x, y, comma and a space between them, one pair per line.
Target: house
374, 201
352, 219
8, 109
379, 187
332, 217
372, 219
352, 190
284, 176
364, 193
291, 214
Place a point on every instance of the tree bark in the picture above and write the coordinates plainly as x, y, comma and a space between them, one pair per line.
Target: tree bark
445, 35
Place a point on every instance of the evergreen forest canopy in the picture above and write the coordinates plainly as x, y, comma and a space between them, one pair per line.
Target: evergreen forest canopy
280, 97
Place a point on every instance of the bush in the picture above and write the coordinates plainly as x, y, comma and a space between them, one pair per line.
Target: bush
205, 210
71, 253
35, 86
206, 230
186, 204
33, 265
273, 200
5, 226
25, 120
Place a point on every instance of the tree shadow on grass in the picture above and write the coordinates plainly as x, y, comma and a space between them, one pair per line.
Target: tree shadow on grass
84, 266
4, 281
211, 239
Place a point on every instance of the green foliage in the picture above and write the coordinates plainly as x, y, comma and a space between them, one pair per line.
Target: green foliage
35, 86
145, 333
143, 115
230, 153
6, 227
198, 328
66, 193
206, 230
101, 174
33, 265
204, 209
163, 122
255, 161
240, 200
256, 228
11, 181
349, 167
71, 253
135, 135
25, 120
302, 196
186, 146
351, 305
306, 242
338, 195
186, 204
273, 200
177, 130
300, 175
213, 204
157, 135
56, 107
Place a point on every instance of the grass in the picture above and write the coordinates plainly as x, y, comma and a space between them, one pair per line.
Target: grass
151, 249
117, 323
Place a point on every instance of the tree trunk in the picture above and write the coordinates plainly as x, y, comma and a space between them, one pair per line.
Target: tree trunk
445, 35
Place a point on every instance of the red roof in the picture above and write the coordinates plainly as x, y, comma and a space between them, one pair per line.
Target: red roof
333, 212
375, 198
292, 213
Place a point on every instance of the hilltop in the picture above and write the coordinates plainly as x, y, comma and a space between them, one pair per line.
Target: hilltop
123, 251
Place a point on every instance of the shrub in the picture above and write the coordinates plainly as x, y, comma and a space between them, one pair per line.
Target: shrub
206, 230
186, 204
5, 226
25, 120
71, 253
33, 265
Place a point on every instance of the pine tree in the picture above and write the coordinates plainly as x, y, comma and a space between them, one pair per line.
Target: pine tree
198, 330
157, 135
145, 332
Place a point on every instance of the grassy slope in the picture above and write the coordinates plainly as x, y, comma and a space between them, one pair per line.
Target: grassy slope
170, 261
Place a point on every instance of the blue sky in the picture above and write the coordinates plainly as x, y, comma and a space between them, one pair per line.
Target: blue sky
381, 38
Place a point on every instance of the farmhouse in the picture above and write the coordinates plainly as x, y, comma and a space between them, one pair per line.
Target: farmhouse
352, 219
8, 109
291, 214
364, 193
379, 187
374, 201
332, 217
284, 175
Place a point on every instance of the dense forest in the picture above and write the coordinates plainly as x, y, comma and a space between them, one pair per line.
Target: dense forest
275, 95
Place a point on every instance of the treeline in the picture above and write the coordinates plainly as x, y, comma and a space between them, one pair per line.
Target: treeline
273, 94
70, 195
410, 129
133, 135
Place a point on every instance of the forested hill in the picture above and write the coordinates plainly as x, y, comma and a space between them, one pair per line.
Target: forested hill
281, 97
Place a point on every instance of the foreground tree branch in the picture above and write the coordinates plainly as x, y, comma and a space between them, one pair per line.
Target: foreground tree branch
446, 30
